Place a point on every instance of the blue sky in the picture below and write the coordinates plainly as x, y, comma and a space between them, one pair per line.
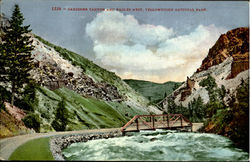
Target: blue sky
155, 46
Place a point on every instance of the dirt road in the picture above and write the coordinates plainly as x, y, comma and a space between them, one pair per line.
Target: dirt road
8, 145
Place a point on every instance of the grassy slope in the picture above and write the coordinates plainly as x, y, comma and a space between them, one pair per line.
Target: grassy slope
37, 149
98, 73
84, 113
155, 92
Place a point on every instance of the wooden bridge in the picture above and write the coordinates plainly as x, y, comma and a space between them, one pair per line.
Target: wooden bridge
153, 122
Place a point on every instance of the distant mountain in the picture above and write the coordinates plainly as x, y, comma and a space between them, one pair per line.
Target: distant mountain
154, 92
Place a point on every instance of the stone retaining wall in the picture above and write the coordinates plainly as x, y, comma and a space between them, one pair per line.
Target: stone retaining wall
58, 143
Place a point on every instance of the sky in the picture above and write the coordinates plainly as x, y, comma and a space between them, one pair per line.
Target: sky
157, 46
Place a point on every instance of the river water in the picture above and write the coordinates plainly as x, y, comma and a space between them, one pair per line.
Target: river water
157, 145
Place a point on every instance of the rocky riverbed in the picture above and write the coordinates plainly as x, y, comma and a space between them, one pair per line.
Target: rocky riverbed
58, 143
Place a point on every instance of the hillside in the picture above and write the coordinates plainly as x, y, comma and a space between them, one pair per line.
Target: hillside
227, 62
79, 93
154, 92
73, 93
11, 123
91, 80
64, 109
218, 92
70, 92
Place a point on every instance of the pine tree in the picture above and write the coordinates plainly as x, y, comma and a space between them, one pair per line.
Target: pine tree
171, 106
200, 112
15, 54
190, 110
62, 115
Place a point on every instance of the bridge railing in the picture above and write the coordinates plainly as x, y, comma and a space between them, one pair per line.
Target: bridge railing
152, 122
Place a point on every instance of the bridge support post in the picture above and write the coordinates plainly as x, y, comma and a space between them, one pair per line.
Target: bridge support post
181, 123
168, 120
137, 124
153, 122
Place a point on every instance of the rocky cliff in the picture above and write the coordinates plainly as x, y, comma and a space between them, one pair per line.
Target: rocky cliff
227, 61
53, 72
218, 92
58, 67
232, 44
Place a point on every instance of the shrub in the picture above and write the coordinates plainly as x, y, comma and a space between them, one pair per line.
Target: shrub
58, 126
209, 83
32, 120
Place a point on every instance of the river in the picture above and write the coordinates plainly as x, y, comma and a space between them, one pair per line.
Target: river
157, 145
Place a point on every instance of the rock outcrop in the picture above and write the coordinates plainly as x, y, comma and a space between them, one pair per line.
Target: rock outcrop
14, 111
53, 72
58, 67
232, 44
227, 62
188, 89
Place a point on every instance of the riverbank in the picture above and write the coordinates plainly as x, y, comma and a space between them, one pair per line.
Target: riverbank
9, 145
57, 144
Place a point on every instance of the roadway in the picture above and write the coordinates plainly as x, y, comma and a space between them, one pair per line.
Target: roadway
10, 144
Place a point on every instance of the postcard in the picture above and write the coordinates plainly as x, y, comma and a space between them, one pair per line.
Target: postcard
124, 80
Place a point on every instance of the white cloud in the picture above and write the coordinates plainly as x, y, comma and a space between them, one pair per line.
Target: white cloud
112, 27
145, 51
129, 57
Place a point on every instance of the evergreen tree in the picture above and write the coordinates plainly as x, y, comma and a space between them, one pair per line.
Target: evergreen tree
62, 115
240, 115
196, 109
222, 92
190, 110
165, 95
211, 86
171, 106
199, 108
15, 54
